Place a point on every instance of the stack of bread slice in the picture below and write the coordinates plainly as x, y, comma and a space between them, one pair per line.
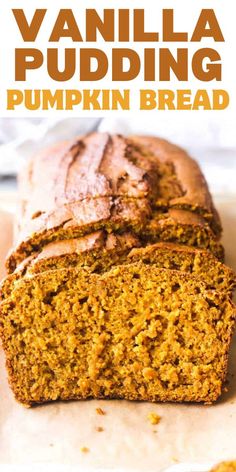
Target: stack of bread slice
116, 285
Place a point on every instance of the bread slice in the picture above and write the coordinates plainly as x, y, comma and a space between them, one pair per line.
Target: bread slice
100, 251
178, 226
134, 332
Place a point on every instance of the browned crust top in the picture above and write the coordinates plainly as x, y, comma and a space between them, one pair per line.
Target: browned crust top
100, 165
110, 178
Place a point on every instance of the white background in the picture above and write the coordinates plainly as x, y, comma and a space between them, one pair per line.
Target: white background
186, 15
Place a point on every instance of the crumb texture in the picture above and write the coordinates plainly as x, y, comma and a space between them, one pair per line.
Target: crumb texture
154, 418
135, 334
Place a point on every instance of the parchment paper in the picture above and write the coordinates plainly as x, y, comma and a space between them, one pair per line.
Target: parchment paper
55, 433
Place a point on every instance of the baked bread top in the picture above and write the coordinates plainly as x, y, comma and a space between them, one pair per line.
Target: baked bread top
102, 165
100, 181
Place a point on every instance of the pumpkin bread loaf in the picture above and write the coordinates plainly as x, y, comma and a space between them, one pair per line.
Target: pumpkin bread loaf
116, 286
